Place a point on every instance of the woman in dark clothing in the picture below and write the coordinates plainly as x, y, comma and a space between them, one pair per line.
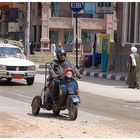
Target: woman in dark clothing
32, 48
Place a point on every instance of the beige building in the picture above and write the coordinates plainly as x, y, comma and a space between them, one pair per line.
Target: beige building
54, 22
58, 24
9, 12
128, 32
13, 21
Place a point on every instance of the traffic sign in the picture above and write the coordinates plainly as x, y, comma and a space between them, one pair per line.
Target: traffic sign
76, 6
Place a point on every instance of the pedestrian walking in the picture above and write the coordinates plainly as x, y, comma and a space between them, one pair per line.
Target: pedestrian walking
60, 45
32, 48
21, 44
133, 79
53, 50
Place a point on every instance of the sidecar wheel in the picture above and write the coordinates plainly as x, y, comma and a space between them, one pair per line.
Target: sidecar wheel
36, 104
73, 112
56, 112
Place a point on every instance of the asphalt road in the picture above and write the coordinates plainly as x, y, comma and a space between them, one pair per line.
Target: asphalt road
99, 100
104, 102
16, 97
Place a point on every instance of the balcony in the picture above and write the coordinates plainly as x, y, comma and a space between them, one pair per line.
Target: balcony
60, 22
85, 23
93, 24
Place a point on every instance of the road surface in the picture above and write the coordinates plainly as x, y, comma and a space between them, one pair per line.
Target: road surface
103, 102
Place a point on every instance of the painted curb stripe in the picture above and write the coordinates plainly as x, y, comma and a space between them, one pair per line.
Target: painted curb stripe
105, 76
100, 75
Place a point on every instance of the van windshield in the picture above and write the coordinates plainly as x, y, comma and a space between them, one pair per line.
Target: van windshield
6, 52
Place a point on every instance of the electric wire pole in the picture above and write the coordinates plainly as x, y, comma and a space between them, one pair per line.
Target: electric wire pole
76, 44
28, 30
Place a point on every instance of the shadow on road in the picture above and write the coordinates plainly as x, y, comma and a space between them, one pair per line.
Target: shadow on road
11, 83
62, 116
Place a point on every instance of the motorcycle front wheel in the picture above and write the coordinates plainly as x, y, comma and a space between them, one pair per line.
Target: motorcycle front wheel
73, 112
36, 103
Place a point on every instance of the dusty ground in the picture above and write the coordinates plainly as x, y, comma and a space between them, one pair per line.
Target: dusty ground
23, 126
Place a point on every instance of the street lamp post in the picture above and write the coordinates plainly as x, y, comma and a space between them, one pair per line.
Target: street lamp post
28, 30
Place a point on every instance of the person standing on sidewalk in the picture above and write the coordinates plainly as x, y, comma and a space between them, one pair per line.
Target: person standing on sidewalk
133, 79
32, 48
59, 45
53, 50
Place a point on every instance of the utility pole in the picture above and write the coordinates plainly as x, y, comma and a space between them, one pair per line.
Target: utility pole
28, 30
76, 44
76, 7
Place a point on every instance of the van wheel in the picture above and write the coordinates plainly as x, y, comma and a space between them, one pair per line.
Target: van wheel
9, 79
30, 81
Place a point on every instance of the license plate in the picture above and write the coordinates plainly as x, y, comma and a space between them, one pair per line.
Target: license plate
17, 76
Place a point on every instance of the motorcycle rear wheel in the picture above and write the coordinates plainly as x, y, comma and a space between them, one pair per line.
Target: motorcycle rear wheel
36, 103
73, 112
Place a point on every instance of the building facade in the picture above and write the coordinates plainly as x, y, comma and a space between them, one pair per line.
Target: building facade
58, 24
128, 32
54, 22
13, 21
9, 19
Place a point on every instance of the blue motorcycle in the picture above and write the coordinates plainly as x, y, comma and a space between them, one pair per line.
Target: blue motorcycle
67, 94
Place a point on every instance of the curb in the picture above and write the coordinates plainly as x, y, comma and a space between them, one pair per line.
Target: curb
98, 74
105, 76
39, 66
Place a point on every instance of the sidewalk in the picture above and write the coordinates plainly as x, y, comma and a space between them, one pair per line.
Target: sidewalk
119, 76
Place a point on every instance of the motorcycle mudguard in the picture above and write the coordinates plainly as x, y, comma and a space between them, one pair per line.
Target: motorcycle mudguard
75, 99
67, 87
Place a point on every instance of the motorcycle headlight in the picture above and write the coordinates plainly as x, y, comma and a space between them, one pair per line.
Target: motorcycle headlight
2, 67
31, 68
69, 74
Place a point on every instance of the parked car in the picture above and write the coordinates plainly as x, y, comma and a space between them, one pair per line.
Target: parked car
86, 60
14, 65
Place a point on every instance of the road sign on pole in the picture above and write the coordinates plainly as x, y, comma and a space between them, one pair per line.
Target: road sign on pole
76, 7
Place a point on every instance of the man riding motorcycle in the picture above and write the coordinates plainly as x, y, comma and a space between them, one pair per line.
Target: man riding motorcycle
55, 72
61, 90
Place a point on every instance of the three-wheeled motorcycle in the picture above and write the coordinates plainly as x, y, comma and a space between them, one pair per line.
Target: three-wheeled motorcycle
67, 94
